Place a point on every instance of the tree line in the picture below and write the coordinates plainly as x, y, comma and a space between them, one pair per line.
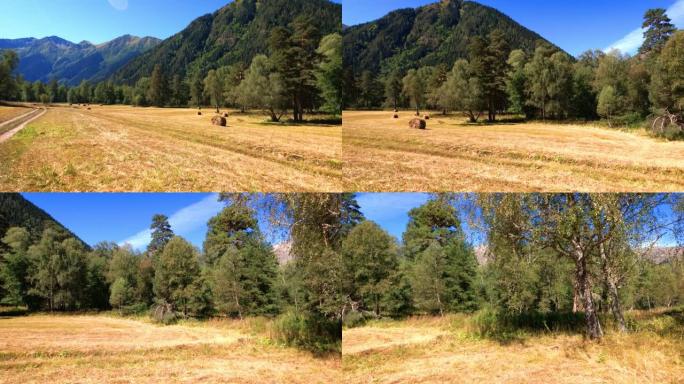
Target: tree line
543, 254
237, 274
546, 83
301, 75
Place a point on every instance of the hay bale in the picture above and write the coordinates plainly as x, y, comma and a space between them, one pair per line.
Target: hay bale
396, 116
89, 108
225, 115
417, 113
417, 124
199, 113
427, 117
219, 120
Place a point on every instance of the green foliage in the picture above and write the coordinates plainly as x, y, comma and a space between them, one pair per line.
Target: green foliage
122, 293
329, 75
659, 28
263, 88
370, 259
175, 273
609, 103
667, 87
231, 35
434, 34
317, 334
8, 82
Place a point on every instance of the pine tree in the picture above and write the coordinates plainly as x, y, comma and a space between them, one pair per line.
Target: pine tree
659, 28
158, 91
161, 234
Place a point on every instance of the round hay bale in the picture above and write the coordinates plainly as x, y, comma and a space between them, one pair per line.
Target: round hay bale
417, 114
199, 113
89, 108
225, 115
427, 117
219, 120
396, 116
417, 124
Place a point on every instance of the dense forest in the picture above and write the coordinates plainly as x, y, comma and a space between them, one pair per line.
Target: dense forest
545, 260
276, 57
496, 75
236, 275
426, 36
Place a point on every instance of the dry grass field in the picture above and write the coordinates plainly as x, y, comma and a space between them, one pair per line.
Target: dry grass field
100, 349
383, 154
435, 350
8, 113
118, 148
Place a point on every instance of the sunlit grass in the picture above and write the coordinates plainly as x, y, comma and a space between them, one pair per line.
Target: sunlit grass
110, 348
122, 148
383, 154
450, 349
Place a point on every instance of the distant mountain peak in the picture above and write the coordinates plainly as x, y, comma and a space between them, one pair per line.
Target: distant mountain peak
55, 57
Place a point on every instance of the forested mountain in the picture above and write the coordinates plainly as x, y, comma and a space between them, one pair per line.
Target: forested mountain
16, 211
54, 57
233, 34
434, 34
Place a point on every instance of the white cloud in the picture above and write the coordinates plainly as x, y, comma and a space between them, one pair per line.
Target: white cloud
633, 40
119, 5
183, 221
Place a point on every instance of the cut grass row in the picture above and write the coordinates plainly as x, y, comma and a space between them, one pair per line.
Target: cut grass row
438, 350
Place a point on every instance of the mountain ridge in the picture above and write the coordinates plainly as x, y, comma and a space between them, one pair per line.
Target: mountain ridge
54, 57
233, 34
17, 211
436, 33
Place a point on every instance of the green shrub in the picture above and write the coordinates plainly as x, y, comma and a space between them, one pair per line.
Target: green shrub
313, 333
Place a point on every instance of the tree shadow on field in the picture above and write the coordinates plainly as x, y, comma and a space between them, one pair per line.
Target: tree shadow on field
13, 312
311, 122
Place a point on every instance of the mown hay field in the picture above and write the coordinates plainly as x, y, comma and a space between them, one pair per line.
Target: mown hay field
381, 153
442, 350
10, 112
102, 349
120, 148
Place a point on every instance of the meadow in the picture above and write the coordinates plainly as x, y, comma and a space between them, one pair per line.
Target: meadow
381, 153
106, 348
450, 349
121, 148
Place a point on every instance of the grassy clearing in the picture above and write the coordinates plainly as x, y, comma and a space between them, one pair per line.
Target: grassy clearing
382, 154
99, 348
149, 149
439, 350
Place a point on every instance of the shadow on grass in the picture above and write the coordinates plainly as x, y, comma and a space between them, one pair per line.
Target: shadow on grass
310, 122
13, 312
507, 328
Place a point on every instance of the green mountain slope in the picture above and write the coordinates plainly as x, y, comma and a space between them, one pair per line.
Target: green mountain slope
16, 211
433, 34
54, 57
233, 34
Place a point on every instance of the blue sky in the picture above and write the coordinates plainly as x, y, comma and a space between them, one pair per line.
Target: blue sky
126, 218
100, 20
575, 25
